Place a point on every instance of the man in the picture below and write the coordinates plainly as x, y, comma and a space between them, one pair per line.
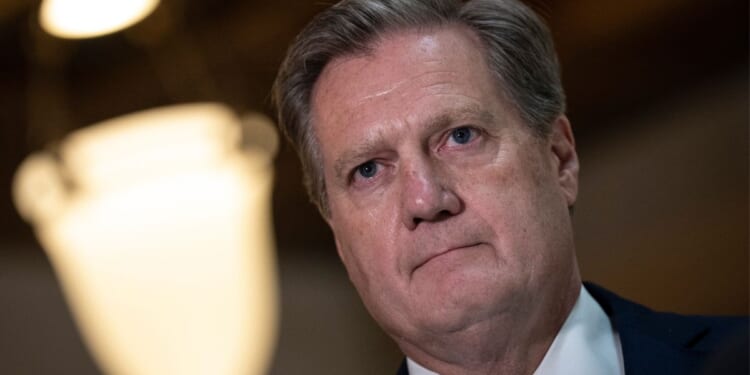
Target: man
435, 144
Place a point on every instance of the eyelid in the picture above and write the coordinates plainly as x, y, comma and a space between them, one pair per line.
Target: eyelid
352, 176
382, 158
476, 131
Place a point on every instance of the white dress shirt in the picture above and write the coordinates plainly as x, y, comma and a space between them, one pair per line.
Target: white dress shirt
586, 344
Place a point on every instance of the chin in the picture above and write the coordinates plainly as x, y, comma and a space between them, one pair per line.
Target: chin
460, 309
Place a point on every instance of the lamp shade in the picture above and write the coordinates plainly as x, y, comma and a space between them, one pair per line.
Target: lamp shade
158, 227
77, 19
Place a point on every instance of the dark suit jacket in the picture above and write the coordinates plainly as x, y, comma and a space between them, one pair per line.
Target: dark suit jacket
665, 343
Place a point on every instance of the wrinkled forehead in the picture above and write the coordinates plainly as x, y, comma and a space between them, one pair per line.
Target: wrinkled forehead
395, 62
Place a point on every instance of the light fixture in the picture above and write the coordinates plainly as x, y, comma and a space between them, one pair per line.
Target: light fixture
158, 227
90, 18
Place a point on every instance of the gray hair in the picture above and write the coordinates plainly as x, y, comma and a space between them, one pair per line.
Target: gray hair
518, 48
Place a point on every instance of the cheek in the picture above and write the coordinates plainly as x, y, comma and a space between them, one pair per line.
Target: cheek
366, 248
534, 220
513, 196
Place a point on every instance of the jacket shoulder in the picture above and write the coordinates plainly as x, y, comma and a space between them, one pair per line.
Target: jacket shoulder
674, 340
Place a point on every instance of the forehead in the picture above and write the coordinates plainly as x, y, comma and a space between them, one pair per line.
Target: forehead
397, 62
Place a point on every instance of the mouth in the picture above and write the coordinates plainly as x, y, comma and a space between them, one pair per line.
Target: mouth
444, 252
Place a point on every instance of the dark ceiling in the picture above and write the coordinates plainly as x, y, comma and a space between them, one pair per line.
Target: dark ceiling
618, 57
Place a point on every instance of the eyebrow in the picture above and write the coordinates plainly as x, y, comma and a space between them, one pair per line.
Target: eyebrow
341, 165
434, 123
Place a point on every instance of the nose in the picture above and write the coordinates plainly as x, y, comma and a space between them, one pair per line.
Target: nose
426, 195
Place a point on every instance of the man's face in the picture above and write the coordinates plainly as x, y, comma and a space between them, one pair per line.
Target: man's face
447, 210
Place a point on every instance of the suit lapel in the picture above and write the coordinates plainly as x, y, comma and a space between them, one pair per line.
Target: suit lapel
403, 370
652, 342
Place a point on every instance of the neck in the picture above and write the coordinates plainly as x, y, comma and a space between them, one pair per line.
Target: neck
513, 342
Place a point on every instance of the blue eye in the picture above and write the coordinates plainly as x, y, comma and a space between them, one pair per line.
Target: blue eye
462, 135
367, 169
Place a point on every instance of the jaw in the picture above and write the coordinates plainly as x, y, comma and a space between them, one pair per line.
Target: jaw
509, 342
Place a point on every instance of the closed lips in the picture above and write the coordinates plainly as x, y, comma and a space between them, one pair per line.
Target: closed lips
431, 257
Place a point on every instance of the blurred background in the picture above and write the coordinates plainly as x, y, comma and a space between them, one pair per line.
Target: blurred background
658, 97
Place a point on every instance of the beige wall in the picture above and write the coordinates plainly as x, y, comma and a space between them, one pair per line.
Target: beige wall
663, 210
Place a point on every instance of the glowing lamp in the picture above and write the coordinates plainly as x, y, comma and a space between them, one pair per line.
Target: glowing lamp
89, 18
158, 227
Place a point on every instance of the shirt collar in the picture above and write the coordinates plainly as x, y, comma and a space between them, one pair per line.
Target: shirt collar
586, 344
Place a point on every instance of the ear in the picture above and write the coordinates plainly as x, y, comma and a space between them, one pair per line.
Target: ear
563, 147
342, 256
349, 263
331, 224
